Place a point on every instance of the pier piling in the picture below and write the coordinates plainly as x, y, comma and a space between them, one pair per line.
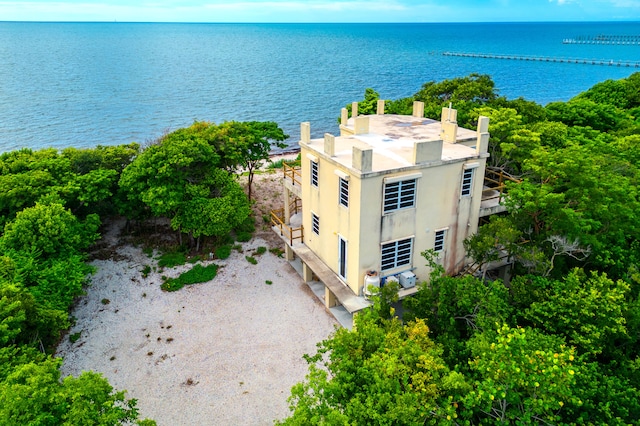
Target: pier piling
608, 62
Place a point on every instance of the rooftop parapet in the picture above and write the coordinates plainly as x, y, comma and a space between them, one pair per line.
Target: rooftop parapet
305, 132
362, 159
449, 123
482, 143
329, 144
384, 142
427, 151
418, 109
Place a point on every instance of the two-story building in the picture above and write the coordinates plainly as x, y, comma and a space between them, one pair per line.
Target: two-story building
377, 196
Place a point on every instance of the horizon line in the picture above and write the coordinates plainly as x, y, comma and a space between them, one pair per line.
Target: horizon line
115, 21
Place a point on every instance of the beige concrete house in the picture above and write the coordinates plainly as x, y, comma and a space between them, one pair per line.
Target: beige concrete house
363, 205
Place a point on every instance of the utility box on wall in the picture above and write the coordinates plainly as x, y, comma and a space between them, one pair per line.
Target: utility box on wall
407, 279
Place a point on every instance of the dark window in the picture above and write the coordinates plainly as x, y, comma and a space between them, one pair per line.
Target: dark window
342, 268
344, 192
397, 253
314, 173
467, 181
315, 223
439, 243
399, 195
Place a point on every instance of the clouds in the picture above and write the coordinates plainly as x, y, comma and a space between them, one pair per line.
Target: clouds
318, 10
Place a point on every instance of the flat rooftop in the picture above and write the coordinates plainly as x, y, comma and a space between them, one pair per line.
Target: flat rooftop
392, 139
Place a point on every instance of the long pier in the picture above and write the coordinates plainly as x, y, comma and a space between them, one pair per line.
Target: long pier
623, 40
608, 62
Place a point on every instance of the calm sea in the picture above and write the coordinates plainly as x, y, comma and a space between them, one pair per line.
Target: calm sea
84, 84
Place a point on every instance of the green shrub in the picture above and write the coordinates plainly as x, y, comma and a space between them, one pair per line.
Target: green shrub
278, 164
146, 270
248, 225
223, 252
227, 239
277, 251
252, 260
171, 259
75, 336
275, 164
243, 237
171, 285
268, 282
261, 250
105, 301
197, 274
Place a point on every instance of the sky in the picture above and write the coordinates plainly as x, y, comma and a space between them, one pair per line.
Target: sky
320, 10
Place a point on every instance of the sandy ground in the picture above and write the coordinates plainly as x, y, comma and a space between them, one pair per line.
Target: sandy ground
225, 352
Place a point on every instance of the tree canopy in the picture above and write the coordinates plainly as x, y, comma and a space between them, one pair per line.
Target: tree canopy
52, 204
190, 175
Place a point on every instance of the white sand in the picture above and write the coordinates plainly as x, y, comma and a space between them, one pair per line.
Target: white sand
237, 342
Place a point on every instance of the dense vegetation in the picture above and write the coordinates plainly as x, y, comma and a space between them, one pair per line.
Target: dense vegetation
559, 343
51, 208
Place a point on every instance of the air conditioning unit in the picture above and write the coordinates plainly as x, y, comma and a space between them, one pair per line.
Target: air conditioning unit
407, 279
390, 280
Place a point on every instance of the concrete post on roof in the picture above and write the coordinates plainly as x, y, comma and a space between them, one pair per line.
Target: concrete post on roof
449, 132
345, 130
418, 109
361, 125
362, 159
427, 151
305, 132
449, 115
380, 107
483, 124
354, 109
482, 144
329, 144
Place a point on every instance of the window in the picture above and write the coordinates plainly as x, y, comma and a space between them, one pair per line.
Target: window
342, 258
315, 223
344, 192
439, 242
396, 253
314, 173
467, 180
399, 195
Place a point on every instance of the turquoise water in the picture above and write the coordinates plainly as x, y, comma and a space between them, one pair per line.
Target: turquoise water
84, 84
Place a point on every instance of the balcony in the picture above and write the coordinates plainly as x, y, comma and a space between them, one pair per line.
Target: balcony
493, 191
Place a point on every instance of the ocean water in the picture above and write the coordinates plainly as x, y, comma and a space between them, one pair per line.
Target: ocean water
87, 84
